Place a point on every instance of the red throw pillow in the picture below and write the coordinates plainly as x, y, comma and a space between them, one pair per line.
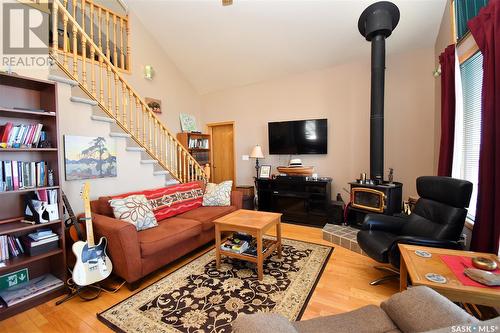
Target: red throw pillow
171, 200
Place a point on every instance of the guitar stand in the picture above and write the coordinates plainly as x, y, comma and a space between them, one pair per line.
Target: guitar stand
77, 291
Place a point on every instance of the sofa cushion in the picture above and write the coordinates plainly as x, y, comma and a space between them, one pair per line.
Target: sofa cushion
421, 309
206, 215
368, 319
134, 209
169, 232
218, 194
171, 200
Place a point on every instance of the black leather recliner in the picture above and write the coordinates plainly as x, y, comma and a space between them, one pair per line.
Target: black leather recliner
436, 221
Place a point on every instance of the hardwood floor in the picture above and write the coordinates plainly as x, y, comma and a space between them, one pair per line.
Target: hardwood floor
342, 287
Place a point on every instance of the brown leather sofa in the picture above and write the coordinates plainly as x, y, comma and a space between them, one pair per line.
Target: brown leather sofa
135, 254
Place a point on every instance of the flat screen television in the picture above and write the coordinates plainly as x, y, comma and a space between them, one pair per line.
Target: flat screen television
298, 137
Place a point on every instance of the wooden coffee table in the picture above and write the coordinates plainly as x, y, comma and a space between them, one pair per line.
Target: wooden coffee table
416, 267
254, 223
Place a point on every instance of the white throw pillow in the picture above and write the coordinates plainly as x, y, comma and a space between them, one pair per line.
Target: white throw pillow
218, 194
134, 209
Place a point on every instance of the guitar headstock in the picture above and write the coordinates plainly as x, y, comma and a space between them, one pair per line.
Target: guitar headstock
85, 191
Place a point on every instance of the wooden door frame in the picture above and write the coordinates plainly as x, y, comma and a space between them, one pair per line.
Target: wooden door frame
210, 126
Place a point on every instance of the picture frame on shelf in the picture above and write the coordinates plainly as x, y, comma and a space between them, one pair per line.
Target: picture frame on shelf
265, 172
188, 123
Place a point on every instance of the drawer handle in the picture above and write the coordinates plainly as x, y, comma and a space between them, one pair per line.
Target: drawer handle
275, 192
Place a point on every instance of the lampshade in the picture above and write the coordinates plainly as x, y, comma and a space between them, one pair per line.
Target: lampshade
256, 152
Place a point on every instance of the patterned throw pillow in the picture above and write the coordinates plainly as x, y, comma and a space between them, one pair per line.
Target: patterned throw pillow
171, 200
218, 194
134, 209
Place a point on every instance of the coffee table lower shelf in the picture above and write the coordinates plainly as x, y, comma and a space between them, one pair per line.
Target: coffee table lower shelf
251, 258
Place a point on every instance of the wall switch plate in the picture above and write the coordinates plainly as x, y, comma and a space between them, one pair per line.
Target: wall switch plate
245, 157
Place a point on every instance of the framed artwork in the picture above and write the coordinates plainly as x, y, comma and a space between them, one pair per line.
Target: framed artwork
89, 157
188, 123
265, 171
154, 104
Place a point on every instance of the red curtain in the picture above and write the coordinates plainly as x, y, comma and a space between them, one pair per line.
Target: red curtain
447, 61
485, 29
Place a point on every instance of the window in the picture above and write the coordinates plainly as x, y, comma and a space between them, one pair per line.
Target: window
468, 124
464, 11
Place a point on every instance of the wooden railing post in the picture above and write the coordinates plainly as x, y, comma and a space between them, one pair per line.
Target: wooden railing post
55, 28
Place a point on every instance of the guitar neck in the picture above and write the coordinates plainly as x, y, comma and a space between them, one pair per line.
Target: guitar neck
88, 223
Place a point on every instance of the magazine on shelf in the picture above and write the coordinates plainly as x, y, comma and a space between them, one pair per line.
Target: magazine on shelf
30, 289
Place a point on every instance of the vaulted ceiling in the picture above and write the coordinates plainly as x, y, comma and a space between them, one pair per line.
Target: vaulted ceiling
218, 47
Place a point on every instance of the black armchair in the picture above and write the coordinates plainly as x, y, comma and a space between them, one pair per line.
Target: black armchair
436, 221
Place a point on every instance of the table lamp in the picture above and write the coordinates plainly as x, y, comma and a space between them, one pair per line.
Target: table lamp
257, 153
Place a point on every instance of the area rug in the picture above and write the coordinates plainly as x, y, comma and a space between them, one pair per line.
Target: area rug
199, 298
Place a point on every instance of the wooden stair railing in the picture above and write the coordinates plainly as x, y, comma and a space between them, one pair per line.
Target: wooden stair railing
104, 83
108, 29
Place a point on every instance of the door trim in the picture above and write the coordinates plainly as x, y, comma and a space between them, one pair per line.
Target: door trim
209, 131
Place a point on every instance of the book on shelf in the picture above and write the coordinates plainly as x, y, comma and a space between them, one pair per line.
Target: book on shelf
20, 136
30, 289
198, 143
10, 247
19, 175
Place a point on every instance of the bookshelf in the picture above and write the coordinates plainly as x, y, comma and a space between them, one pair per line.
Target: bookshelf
21, 98
198, 146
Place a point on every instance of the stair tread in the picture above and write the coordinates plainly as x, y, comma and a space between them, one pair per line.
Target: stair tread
149, 161
135, 149
102, 118
83, 100
62, 79
119, 134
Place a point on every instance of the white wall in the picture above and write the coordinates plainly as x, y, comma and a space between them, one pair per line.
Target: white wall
341, 94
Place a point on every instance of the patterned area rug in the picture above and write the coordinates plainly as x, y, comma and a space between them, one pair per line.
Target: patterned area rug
199, 298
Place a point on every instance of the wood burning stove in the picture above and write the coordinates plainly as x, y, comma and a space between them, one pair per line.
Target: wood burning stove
383, 198
376, 23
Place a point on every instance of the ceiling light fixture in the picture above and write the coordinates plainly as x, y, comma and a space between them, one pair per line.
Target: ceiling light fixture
227, 2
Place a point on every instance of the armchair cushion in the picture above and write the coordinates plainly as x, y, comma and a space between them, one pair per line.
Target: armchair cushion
376, 243
421, 309
368, 319
262, 323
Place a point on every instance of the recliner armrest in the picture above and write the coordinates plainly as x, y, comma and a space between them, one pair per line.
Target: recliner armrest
382, 222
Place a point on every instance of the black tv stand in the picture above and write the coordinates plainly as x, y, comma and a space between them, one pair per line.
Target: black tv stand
301, 200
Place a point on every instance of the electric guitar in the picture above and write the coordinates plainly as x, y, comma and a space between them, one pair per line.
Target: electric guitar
92, 262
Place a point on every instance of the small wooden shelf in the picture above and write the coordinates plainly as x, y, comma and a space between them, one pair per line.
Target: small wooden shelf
18, 226
9, 112
198, 149
23, 260
273, 245
29, 303
30, 190
28, 150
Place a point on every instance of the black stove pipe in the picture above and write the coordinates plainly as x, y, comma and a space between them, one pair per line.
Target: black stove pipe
376, 23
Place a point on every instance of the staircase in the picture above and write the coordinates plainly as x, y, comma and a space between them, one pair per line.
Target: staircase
83, 64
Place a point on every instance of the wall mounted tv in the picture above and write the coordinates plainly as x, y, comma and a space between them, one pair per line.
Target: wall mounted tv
298, 137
